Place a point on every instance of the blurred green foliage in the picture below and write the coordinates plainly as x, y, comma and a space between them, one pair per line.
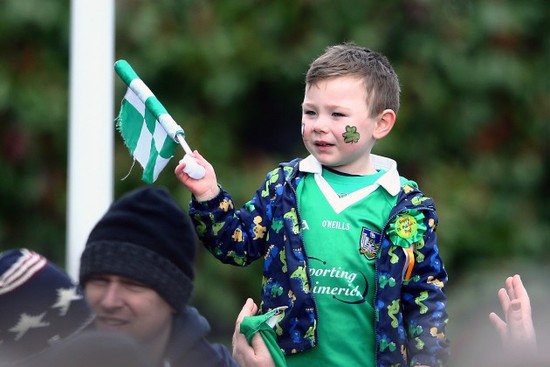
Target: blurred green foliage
473, 128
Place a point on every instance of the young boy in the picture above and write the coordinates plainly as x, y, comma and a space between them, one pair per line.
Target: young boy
348, 245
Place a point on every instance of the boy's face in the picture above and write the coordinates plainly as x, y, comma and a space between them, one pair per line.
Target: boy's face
336, 127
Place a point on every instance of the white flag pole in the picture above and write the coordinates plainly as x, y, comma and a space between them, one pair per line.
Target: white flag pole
91, 122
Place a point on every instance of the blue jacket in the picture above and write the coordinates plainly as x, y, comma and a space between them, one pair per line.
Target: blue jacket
410, 303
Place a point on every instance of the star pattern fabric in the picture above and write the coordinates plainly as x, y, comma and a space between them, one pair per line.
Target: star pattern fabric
27, 322
65, 296
40, 305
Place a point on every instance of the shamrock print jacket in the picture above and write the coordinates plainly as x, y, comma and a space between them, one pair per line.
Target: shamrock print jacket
410, 302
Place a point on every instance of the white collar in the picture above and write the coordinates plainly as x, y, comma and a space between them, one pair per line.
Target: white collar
390, 180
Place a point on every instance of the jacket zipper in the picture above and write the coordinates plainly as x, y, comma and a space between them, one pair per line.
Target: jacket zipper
306, 262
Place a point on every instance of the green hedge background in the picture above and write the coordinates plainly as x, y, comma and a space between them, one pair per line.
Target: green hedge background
473, 129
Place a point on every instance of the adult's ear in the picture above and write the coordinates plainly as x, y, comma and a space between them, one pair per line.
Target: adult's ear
385, 123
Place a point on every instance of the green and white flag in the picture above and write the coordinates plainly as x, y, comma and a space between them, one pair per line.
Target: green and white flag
149, 132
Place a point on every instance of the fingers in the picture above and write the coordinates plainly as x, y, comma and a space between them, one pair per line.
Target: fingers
509, 285
245, 354
515, 315
198, 155
504, 299
514, 319
249, 309
258, 344
499, 325
242, 352
516, 328
240, 345
518, 288
179, 168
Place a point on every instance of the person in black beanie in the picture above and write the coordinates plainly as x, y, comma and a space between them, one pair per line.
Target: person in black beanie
137, 271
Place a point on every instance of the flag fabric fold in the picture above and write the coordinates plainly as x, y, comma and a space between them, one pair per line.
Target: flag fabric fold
147, 129
251, 325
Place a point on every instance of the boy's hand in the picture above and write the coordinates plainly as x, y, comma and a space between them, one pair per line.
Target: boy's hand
255, 355
203, 189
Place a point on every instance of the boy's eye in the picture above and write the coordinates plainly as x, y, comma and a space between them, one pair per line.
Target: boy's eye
338, 114
309, 112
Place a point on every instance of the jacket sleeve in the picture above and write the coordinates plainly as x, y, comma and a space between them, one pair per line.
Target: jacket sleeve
424, 300
235, 237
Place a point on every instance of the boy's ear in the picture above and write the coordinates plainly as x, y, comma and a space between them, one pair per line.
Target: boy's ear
385, 123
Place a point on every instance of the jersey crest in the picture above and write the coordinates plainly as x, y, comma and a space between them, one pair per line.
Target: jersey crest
369, 243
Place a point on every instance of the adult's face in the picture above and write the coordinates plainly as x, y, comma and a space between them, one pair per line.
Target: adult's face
124, 305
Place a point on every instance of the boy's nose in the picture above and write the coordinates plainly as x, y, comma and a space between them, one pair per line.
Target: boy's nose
320, 125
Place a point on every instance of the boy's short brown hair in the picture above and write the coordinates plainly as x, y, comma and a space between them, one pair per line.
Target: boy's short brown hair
381, 82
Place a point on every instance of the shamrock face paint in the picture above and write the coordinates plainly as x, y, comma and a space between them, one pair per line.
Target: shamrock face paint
351, 135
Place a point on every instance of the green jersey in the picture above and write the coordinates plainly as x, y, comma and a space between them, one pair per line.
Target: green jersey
342, 219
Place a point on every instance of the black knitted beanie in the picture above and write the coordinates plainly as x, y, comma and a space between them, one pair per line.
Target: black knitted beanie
147, 237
